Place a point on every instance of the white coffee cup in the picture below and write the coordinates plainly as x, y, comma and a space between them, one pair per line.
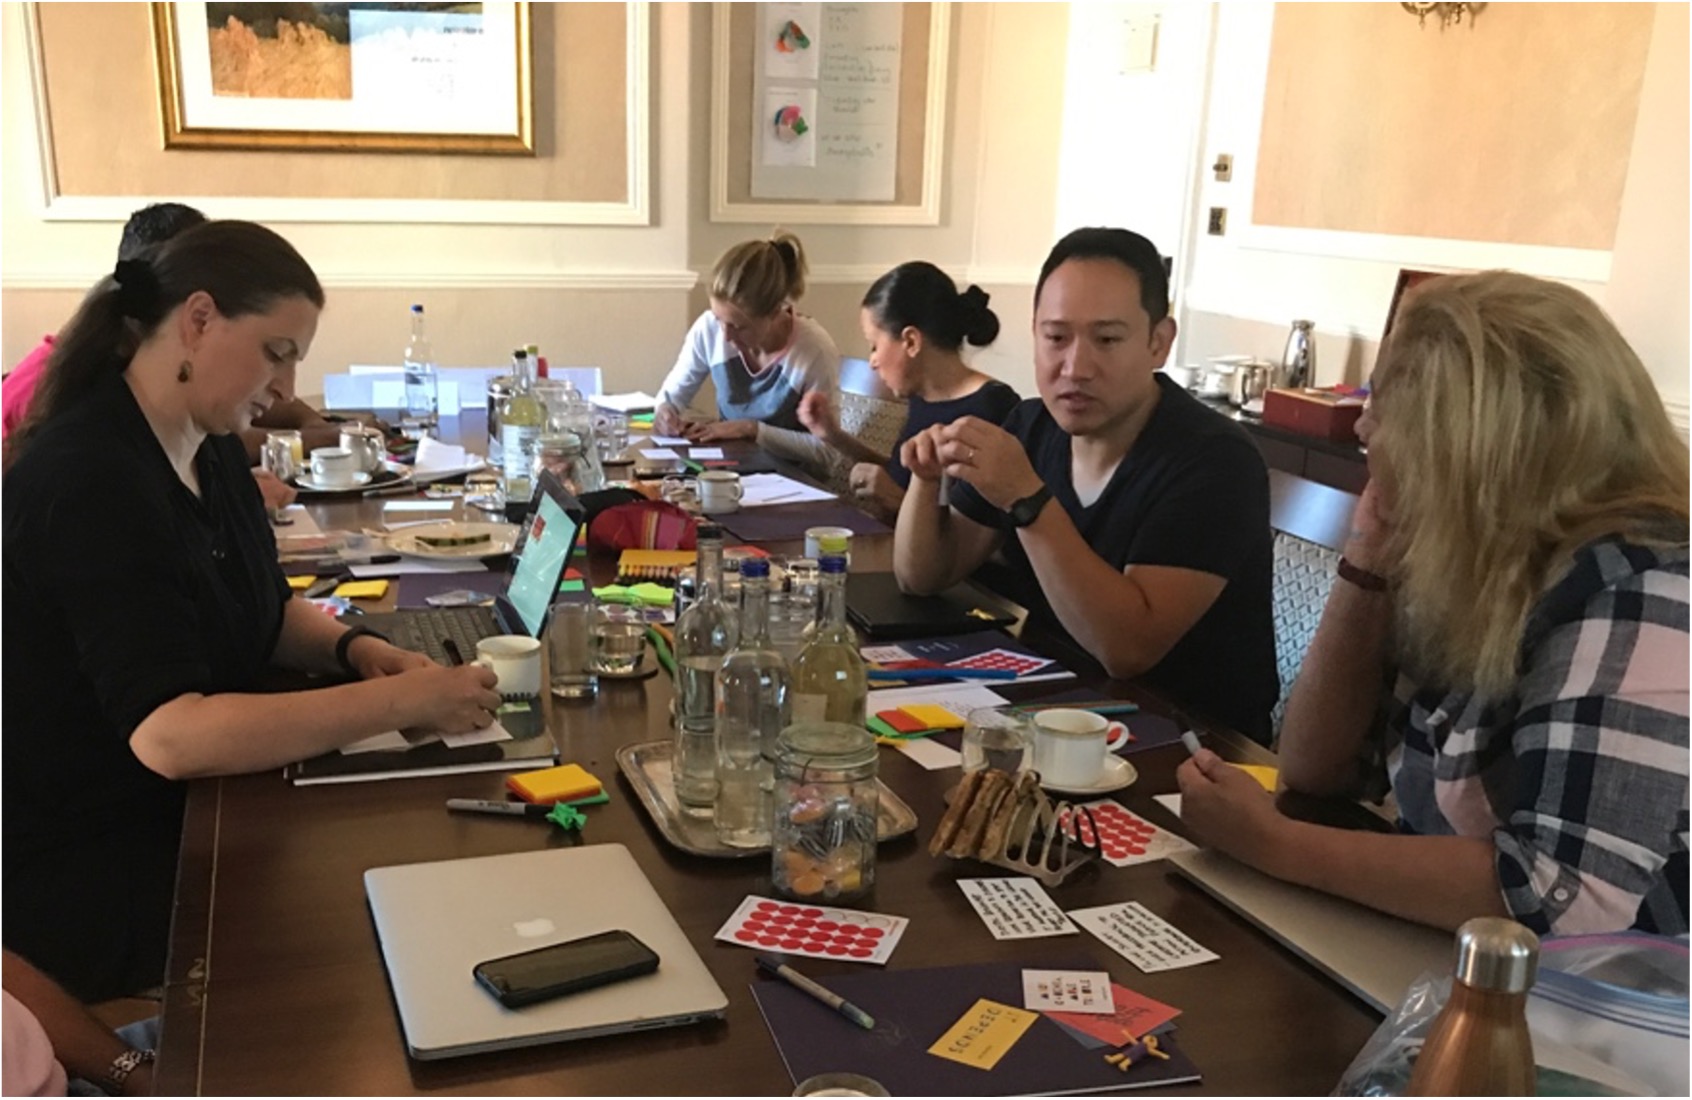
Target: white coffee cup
515, 660
1070, 746
334, 466
814, 537
719, 491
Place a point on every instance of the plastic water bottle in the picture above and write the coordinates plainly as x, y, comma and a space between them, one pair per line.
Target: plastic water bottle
422, 395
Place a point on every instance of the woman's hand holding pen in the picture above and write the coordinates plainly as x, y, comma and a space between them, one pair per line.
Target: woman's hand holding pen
452, 700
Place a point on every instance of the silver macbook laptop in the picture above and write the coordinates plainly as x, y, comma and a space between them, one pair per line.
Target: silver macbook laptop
436, 921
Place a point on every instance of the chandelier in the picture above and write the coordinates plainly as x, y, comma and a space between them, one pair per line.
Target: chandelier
1446, 13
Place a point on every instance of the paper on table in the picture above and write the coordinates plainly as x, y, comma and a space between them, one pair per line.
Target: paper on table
959, 698
437, 460
625, 402
1142, 937
931, 754
1015, 908
487, 735
418, 506
395, 741
760, 489
670, 441
705, 452
304, 525
1067, 991
1170, 802
658, 452
415, 565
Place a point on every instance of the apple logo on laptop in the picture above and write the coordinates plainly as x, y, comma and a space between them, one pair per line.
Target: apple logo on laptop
530, 929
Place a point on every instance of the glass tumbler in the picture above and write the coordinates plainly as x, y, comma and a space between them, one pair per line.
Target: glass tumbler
995, 738
619, 640
569, 649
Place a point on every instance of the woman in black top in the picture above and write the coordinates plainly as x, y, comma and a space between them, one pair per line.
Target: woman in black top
916, 323
144, 601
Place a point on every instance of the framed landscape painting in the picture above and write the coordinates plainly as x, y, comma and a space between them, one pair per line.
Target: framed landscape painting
354, 77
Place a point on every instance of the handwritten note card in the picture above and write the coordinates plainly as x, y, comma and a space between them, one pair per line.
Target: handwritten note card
1142, 937
1067, 991
1015, 908
983, 1034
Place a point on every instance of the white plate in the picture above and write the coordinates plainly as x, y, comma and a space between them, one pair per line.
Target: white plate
502, 537
306, 481
1118, 773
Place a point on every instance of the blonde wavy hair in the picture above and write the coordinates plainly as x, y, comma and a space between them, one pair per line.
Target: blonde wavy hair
761, 276
1515, 425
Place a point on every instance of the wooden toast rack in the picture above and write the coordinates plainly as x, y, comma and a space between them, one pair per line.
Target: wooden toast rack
1008, 821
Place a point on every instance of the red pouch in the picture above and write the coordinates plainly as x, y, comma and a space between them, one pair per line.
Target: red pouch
643, 525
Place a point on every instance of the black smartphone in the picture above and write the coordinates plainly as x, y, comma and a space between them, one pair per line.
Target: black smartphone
562, 968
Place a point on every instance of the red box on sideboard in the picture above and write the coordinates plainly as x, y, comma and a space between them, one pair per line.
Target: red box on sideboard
1321, 413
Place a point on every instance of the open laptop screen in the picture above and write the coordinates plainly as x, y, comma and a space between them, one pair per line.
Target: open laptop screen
545, 548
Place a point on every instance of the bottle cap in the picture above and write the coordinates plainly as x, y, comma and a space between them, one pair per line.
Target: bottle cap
831, 563
708, 531
417, 309
832, 544
754, 567
1497, 954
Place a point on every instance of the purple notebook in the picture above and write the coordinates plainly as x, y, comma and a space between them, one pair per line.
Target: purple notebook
779, 522
914, 1008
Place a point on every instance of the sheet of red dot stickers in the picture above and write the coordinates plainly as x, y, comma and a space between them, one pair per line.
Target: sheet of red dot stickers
1125, 838
821, 931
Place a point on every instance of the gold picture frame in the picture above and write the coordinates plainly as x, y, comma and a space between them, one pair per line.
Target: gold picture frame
208, 75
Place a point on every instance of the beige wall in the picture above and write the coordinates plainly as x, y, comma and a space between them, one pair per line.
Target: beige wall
614, 296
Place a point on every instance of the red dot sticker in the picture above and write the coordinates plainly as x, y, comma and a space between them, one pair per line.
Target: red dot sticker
850, 929
860, 953
754, 926
781, 919
746, 935
766, 907
768, 941
790, 945
836, 949
811, 914
869, 943
875, 933
804, 922
827, 925
812, 947
1137, 849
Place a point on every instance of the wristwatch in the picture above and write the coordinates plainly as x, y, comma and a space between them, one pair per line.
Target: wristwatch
345, 641
120, 1069
1027, 510
1362, 578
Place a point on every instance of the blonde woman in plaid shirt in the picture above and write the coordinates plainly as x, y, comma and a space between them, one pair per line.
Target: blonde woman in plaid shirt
1509, 634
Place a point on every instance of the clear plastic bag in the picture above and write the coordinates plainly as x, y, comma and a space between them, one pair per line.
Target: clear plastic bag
1608, 1013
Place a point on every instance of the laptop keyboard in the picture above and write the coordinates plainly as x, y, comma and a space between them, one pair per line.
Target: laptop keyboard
430, 627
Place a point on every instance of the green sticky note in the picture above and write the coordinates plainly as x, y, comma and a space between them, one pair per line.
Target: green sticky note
572, 586
880, 728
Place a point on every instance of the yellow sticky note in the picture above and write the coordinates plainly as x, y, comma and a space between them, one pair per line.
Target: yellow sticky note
983, 1034
363, 590
1263, 774
300, 584
934, 717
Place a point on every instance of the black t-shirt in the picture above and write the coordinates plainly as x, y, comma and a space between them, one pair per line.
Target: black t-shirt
1192, 492
992, 403
122, 591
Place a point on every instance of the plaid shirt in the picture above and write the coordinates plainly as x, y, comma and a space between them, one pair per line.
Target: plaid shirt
1580, 777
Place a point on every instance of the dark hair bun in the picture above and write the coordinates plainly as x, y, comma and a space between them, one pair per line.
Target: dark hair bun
980, 324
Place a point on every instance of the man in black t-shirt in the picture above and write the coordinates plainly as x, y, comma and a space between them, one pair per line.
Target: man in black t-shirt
1156, 557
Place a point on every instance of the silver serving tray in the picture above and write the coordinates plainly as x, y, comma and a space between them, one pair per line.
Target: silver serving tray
647, 767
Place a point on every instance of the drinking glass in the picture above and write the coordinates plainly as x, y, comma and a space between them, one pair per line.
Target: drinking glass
619, 640
569, 649
995, 738
483, 489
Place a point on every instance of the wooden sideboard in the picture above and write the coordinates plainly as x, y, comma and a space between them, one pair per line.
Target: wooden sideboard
1340, 465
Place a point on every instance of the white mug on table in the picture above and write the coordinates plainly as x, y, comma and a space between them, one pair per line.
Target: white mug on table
334, 467
719, 491
814, 537
515, 660
1070, 746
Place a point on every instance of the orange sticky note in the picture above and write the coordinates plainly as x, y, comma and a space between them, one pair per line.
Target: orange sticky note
934, 717
363, 590
983, 1034
564, 783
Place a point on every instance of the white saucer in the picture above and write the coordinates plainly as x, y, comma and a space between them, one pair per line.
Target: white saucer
306, 481
1118, 773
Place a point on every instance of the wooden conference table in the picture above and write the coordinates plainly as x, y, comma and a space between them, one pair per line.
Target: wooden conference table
276, 985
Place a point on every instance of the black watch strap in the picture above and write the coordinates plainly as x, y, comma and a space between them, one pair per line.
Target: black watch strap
1027, 510
345, 641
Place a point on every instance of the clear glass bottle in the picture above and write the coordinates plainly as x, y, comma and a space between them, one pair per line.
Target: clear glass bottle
1479, 1044
829, 684
521, 421
705, 633
752, 710
422, 391
1298, 362
827, 806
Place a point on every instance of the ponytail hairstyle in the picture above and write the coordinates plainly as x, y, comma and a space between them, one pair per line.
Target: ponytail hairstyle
246, 269
760, 277
919, 295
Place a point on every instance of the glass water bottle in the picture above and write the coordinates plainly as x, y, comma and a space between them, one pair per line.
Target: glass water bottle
752, 710
705, 633
829, 681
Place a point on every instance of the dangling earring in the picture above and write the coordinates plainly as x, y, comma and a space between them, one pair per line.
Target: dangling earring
185, 371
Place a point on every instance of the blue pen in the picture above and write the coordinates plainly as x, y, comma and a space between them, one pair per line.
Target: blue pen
940, 674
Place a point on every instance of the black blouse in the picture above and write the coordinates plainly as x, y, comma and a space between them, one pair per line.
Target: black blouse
121, 592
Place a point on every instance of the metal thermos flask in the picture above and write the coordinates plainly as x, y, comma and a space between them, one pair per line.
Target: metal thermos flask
1298, 362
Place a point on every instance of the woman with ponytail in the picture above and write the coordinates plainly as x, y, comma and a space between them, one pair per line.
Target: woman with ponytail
144, 603
916, 322
761, 354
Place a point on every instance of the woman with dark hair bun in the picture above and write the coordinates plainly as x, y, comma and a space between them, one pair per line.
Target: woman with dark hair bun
916, 322
144, 602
